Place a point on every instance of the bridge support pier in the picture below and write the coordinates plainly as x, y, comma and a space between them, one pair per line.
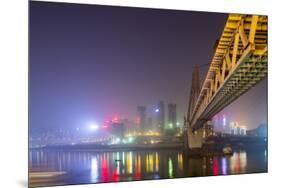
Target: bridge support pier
195, 140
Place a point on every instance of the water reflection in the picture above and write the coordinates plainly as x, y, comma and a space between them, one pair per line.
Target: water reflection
92, 167
129, 163
170, 168
215, 166
156, 162
238, 162
180, 161
138, 169
224, 165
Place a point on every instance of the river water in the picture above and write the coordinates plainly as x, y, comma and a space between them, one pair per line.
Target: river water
97, 167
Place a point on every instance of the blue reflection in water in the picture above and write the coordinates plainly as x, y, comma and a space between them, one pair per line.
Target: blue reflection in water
94, 169
224, 165
156, 176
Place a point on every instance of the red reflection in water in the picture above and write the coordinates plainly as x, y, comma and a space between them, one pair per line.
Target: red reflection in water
115, 176
104, 168
116, 173
215, 167
238, 163
138, 169
138, 174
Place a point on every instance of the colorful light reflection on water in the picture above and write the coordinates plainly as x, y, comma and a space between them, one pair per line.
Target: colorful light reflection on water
95, 167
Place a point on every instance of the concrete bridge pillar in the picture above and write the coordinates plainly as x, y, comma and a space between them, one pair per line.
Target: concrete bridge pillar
194, 140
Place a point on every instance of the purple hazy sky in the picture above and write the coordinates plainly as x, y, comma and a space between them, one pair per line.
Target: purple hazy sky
90, 62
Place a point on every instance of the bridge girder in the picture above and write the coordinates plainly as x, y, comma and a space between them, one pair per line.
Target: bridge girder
239, 63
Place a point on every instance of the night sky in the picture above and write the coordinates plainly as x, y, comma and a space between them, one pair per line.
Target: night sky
89, 63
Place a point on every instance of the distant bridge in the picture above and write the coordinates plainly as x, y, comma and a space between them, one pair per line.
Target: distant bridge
239, 63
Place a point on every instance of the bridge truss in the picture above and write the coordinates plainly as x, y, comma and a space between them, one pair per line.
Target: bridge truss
239, 63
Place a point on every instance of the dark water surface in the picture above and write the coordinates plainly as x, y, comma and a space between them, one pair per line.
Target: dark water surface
98, 167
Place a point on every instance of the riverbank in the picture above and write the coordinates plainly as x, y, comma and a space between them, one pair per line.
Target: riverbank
115, 147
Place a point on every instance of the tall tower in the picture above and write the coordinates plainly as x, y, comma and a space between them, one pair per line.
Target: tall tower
160, 116
149, 124
141, 113
172, 116
194, 92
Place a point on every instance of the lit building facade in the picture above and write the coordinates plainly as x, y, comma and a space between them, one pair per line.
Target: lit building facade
141, 114
160, 116
172, 116
236, 129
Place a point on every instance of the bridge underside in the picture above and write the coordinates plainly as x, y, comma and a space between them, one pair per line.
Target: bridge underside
239, 63
245, 76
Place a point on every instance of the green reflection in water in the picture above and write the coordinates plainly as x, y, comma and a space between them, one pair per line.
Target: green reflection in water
170, 168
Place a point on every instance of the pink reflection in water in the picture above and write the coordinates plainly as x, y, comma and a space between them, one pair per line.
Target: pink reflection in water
215, 167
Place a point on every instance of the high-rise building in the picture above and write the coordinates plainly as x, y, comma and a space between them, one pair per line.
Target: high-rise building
118, 129
141, 114
172, 116
160, 114
149, 124
237, 129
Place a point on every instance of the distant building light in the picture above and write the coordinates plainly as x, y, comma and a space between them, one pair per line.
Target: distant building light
170, 125
115, 141
124, 141
157, 110
130, 139
94, 127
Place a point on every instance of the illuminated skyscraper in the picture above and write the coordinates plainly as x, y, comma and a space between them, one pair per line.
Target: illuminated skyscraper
118, 129
149, 124
160, 114
172, 116
141, 113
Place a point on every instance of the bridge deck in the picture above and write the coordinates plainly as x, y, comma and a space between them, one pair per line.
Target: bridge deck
239, 62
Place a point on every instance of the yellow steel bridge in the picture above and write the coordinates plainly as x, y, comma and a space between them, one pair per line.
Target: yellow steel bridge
239, 62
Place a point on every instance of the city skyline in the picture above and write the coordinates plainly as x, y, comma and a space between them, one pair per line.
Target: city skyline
73, 80
123, 94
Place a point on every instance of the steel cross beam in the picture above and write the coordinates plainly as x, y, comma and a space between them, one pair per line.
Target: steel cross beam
239, 62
